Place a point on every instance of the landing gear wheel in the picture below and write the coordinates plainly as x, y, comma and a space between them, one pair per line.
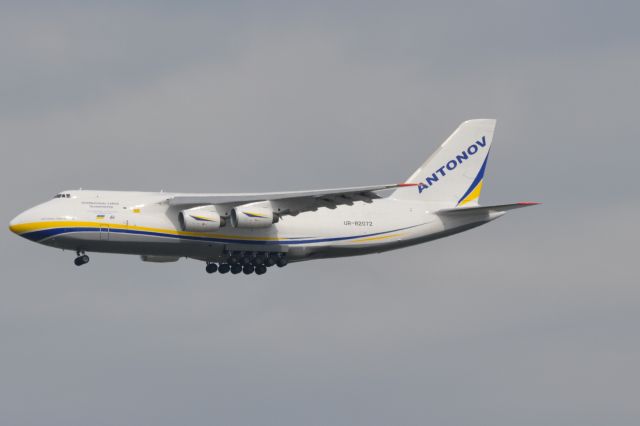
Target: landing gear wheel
282, 262
224, 268
236, 269
270, 261
261, 269
81, 260
258, 260
248, 269
211, 268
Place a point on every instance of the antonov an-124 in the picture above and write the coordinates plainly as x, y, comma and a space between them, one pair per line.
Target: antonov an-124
251, 232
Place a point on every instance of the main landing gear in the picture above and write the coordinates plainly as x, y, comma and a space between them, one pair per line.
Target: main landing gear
247, 262
81, 259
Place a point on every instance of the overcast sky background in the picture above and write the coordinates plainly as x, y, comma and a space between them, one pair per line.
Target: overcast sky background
530, 320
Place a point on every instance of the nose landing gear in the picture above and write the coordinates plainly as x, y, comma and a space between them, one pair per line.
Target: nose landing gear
81, 259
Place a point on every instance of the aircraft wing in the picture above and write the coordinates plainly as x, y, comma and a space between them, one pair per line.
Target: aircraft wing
291, 202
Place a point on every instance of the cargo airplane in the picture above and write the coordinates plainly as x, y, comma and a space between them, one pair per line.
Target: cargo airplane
250, 232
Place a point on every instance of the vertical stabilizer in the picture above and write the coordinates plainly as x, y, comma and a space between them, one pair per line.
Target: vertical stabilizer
453, 174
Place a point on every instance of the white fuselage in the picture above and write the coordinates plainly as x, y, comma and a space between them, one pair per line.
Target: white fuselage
144, 223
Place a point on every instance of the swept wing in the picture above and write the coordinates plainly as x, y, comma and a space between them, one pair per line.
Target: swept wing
291, 202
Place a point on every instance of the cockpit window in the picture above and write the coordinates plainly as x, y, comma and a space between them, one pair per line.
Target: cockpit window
62, 196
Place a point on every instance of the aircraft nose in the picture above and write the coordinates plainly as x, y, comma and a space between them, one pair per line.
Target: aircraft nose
15, 223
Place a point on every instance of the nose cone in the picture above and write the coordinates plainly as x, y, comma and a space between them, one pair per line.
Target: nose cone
16, 224
13, 225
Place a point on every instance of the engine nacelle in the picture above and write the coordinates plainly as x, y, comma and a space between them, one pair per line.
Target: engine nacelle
200, 219
252, 216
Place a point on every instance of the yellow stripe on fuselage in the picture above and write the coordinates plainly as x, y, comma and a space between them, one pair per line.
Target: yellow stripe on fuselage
382, 237
38, 226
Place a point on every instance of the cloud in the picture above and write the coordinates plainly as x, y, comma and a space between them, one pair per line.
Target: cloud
527, 320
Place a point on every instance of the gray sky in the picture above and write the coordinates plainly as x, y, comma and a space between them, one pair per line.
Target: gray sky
529, 320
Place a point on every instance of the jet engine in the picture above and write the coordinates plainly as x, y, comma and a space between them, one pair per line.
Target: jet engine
200, 219
252, 216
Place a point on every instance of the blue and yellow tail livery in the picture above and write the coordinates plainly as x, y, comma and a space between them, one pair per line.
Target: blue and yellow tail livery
453, 175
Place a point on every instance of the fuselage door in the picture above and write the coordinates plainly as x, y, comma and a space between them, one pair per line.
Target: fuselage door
104, 232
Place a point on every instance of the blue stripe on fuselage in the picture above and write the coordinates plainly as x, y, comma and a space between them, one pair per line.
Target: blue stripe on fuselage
52, 232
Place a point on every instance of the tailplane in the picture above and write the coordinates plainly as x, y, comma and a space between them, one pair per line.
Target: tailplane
453, 175
497, 210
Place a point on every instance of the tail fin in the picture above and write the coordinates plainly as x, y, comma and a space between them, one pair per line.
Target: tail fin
452, 175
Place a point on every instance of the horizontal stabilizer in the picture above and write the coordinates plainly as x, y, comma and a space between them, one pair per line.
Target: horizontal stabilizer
497, 209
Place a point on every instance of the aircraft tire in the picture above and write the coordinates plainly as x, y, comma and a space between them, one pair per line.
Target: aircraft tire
211, 268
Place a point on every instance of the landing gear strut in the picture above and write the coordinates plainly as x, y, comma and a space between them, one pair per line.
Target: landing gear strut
247, 262
81, 259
